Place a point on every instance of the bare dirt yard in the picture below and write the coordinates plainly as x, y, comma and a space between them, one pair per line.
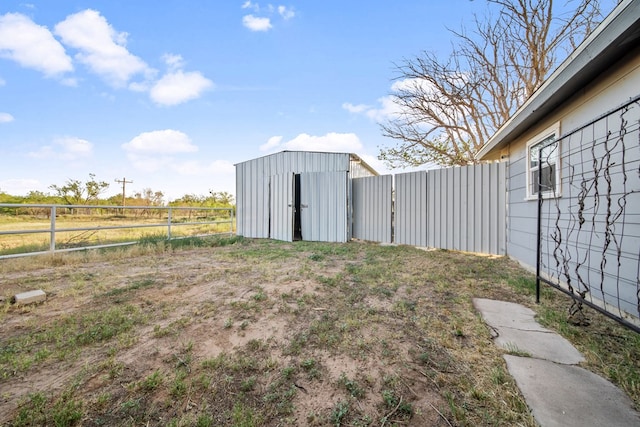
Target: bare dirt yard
252, 333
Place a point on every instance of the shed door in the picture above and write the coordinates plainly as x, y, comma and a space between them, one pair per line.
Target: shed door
323, 205
281, 207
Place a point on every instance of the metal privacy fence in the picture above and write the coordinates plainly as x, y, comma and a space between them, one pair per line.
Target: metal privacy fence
373, 208
589, 235
461, 208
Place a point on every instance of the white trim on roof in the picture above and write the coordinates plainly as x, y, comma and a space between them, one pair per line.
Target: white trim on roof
606, 43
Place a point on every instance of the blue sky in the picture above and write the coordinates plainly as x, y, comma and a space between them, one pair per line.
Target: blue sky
171, 94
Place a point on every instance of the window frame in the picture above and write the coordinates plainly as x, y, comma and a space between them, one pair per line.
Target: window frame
551, 132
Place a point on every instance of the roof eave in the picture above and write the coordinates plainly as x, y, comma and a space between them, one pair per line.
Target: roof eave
605, 45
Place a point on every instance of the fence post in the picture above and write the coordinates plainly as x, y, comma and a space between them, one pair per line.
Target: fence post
539, 237
169, 224
52, 238
232, 217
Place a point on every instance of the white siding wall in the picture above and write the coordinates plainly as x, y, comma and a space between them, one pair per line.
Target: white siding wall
591, 234
618, 86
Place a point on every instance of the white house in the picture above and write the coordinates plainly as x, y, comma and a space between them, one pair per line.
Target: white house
584, 123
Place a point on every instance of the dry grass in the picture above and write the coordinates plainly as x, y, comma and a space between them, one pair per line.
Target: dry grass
138, 226
269, 333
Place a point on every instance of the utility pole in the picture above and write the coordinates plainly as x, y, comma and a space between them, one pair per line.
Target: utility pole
124, 183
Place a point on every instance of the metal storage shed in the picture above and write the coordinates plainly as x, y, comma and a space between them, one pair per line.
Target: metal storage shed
297, 195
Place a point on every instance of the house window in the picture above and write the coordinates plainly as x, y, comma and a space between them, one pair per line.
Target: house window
544, 165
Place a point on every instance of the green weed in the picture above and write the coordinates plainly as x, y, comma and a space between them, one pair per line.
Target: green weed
339, 413
513, 350
354, 389
141, 284
243, 416
63, 338
151, 382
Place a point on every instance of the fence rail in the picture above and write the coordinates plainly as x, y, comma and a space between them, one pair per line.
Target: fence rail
172, 222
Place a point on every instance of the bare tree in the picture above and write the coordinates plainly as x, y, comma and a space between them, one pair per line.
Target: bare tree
447, 110
76, 192
149, 197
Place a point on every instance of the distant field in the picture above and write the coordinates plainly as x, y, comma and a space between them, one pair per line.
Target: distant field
142, 226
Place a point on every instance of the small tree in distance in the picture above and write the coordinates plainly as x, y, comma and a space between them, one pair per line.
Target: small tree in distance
449, 108
148, 197
215, 199
76, 192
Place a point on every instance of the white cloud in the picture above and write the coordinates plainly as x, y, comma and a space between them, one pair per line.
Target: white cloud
250, 5
69, 148
6, 118
154, 151
286, 13
17, 186
167, 141
178, 87
386, 108
256, 24
32, 46
158, 151
139, 86
272, 142
174, 62
2, 82
360, 108
331, 142
74, 148
100, 47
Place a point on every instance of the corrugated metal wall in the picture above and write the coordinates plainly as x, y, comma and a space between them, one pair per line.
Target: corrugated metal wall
373, 208
255, 189
461, 208
358, 170
467, 208
252, 201
323, 206
411, 209
281, 206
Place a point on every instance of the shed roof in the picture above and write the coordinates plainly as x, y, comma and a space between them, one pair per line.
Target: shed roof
611, 40
352, 157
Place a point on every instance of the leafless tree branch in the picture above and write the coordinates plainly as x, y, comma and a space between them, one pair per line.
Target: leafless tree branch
449, 109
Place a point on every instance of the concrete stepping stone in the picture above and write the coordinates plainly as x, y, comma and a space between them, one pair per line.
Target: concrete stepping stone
559, 393
570, 396
517, 331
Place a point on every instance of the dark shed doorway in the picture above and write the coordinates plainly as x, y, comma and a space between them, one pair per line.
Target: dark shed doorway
297, 222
